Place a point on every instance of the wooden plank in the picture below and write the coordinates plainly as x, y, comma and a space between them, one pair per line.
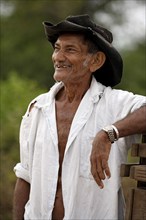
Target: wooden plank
139, 204
138, 172
142, 150
129, 205
138, 150
134, 150
125, 169
136, 199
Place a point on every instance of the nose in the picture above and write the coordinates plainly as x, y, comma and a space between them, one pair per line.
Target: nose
58, 56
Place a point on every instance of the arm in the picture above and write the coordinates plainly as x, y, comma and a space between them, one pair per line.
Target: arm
21, 195
134, 123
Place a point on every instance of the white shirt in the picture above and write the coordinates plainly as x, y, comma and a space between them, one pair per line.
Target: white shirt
39, 165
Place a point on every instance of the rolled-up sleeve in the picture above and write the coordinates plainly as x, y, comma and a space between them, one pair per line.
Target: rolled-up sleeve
21, 172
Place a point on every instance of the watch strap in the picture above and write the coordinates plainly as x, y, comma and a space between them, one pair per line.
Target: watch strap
112, 133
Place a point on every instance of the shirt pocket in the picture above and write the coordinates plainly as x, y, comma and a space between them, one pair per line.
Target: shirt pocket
85, 152
23, 139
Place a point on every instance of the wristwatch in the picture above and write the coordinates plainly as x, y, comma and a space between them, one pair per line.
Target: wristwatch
112, 133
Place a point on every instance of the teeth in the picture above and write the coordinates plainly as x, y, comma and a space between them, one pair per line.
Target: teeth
58, 66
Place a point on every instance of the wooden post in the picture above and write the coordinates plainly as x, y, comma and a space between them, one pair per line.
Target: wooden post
136, 202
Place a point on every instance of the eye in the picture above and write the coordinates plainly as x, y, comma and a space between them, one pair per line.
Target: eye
56, 48
71, 49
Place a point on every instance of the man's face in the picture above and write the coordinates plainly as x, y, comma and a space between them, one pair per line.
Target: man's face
71, 58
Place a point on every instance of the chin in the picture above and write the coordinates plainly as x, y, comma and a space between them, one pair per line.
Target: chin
58, 77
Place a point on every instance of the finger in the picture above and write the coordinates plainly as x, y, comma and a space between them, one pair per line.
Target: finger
95, 173
106, 168
107, 172
97, 179
96, 166
100, 170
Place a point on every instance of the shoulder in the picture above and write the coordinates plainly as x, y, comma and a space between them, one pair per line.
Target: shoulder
122, 95
122, 101
45, 98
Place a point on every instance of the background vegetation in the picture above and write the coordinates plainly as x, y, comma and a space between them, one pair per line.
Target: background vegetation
26, 68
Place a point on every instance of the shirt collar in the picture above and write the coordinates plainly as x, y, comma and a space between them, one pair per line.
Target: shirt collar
95, 92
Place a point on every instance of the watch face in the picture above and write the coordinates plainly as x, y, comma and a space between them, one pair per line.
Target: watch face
110, 132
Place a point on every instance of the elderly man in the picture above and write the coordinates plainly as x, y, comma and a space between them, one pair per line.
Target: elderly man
74, 138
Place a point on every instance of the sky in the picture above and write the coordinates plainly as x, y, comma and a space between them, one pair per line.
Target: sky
133, 29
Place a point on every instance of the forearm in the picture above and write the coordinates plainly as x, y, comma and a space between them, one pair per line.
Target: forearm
134, 123
21, 196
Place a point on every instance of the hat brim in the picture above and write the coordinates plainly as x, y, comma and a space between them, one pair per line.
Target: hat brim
110, 73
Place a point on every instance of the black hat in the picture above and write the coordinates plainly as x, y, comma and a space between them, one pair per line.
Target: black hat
111, 72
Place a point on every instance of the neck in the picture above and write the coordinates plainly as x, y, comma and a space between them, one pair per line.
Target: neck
73, 91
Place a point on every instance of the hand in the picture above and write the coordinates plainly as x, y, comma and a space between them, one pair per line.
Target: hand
99, 158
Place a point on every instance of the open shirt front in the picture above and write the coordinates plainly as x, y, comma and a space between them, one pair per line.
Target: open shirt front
39, 163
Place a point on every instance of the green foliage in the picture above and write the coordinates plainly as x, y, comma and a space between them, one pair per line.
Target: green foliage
16, 93
24, 47
134, 74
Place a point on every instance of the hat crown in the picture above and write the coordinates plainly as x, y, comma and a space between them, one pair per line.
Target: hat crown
84, 20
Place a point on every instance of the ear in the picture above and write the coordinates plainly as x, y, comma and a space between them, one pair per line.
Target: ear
97, 62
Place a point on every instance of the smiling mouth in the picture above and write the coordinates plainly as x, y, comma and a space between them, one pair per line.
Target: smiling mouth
61, 66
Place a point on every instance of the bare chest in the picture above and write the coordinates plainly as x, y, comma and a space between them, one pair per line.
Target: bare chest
64, 118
